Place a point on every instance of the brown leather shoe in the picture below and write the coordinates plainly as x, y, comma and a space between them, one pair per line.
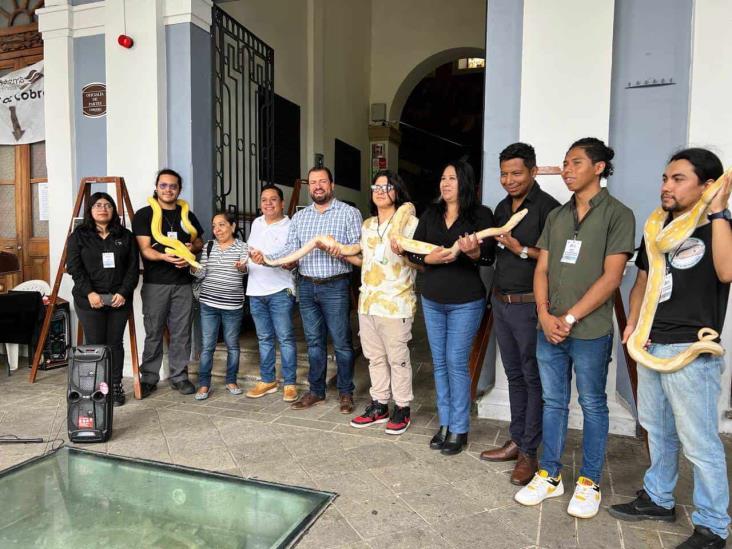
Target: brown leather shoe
346, 404
508, 452
308, 400
524, 471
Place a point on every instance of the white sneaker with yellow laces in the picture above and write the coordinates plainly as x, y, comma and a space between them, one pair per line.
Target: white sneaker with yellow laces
541, 487
585, 502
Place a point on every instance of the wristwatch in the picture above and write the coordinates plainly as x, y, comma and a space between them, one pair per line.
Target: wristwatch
724, 214
570, 319
524, 253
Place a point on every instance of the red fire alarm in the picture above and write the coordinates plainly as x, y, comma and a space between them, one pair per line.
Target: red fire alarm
125, 41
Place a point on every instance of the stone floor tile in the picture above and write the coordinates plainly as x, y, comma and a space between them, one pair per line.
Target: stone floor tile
635, 537
360, 486
442, 504
408, 477
558, 530
378, 515
669, 541
305, 422
330, 531
381, 454
414, 538
487, 493
508, 528
601, 531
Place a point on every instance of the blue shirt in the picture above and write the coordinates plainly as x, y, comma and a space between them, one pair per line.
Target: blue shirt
341, 221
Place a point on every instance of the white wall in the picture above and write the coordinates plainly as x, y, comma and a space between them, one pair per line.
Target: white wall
566, 77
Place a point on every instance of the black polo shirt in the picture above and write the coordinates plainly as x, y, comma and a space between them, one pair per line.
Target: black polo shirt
513, 274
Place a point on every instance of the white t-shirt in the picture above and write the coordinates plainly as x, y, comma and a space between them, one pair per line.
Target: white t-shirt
268, 239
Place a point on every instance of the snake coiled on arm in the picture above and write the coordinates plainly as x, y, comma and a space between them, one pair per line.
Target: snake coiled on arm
401, 217
660, 240
173, 246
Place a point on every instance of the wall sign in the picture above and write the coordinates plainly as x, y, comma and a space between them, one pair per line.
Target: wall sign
21, 106
94, 100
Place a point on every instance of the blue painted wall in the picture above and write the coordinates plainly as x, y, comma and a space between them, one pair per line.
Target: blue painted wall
91, 133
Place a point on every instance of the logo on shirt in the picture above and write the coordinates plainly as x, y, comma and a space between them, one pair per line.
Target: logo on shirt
688, 254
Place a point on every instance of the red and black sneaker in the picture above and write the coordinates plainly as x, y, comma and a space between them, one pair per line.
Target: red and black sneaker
375, 413
399, 421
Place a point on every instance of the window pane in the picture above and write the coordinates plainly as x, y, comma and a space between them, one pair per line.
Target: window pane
40, 228
7, 212
38, 160
7, 162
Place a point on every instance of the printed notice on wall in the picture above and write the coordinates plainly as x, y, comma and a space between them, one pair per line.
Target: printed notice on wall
42, 201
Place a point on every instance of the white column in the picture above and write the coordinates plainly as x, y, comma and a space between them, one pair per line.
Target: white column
710, 121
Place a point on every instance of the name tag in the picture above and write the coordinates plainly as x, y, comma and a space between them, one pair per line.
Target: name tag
108, 260
379, 253
500, 245
173, 235
571, 251
667, 288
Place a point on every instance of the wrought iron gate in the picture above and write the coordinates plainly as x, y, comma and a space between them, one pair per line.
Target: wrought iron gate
243, 93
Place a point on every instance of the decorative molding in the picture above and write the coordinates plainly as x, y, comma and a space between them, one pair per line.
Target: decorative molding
20, 41
196, 12
27, 10
74, 21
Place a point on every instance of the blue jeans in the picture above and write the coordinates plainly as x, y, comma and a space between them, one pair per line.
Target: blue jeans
679, 411
451, 328
590, 358
211, 319
272, 316
325, 310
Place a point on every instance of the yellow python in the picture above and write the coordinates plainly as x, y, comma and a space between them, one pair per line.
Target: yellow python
401, 217
173, 245
659, 241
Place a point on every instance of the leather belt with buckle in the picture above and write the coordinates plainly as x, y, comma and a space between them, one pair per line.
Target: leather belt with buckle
320, 281
515, 298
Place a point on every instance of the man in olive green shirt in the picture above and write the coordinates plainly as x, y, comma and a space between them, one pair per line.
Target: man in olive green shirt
584, 248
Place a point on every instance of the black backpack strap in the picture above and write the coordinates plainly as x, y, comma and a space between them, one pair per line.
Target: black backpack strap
209, 247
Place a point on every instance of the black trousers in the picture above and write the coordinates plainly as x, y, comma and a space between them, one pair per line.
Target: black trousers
105, 326
515, 326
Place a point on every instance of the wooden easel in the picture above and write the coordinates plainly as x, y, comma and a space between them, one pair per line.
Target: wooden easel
124, 205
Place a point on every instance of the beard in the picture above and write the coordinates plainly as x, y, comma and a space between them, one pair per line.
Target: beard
673, 206
323, 199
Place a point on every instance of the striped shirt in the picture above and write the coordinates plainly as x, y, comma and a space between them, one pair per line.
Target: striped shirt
222, 282
341, 221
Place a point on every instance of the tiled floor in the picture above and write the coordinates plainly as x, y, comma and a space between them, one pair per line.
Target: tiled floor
393, 491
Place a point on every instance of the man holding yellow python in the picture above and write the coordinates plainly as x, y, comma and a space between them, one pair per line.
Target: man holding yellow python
677, 309
169, 236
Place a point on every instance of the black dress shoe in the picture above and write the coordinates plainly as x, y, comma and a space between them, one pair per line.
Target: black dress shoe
703, 538
454, 443
642, 508
118, 394
439, 439
146, 389
184, 387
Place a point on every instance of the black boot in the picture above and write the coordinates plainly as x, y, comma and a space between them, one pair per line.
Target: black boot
454, 443
118, 394
703, 538
439, 439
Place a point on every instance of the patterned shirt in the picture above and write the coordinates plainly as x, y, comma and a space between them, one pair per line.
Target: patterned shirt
387, 286
222, 286
341, 221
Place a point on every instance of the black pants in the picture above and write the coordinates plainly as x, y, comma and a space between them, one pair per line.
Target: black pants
515, 326
105, 326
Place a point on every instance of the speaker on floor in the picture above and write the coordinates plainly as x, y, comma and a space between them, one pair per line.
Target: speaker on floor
89, 395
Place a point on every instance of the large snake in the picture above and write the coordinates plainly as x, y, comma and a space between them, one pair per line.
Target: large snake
173, 245
401, 217
659, 241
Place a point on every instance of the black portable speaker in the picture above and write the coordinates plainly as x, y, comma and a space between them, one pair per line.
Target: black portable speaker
89, 396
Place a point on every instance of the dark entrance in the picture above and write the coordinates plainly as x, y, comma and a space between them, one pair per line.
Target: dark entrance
243, 93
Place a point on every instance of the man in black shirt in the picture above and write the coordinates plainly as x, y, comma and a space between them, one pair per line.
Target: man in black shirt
681, 406
167, 296
514, 308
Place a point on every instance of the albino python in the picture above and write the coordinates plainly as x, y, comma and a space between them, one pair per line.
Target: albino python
173, 245
659, 241
401, 217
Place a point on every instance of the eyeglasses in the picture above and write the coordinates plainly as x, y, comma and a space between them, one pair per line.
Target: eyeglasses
102, 206
166, 186
382, 188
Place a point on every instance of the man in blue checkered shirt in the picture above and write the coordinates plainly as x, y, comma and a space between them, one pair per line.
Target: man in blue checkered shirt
324, 286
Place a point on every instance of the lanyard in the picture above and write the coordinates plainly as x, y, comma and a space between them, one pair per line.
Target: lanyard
381, 235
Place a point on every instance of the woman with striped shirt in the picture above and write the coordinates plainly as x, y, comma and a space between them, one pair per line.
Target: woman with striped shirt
223, 263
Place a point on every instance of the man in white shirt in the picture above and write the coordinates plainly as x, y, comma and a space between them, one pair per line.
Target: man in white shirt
271, 292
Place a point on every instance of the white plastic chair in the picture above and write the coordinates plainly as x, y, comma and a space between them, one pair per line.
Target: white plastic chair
40, 286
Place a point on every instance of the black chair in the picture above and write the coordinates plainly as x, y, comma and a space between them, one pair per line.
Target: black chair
21, 314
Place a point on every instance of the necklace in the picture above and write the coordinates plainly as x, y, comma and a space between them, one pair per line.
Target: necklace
171, 226
381, 235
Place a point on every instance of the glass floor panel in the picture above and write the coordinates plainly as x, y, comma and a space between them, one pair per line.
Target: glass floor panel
77, 499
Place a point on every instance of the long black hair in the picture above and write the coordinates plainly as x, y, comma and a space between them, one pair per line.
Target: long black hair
88, 224
467, 193
401, 195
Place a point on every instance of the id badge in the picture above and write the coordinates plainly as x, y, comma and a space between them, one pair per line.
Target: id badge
500, 245
571, 251
173, 235
108, 260
667, 288
379, 253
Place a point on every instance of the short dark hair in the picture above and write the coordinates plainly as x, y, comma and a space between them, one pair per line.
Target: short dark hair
88, 224
524, 151
707, 165
401, 195
229, 216
467, 192
272, 187
169, 171
598, 152
321, 169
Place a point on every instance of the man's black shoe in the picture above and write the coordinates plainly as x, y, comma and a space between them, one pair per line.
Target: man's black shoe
438, 441
146, 389
642, 508
118, 394
454, 444
703, 538
184, 387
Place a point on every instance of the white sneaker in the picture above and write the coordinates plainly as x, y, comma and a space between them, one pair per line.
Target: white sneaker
541, 487
585, 502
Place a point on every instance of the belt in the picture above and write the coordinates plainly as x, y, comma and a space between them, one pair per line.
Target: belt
514, 298
326, 280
